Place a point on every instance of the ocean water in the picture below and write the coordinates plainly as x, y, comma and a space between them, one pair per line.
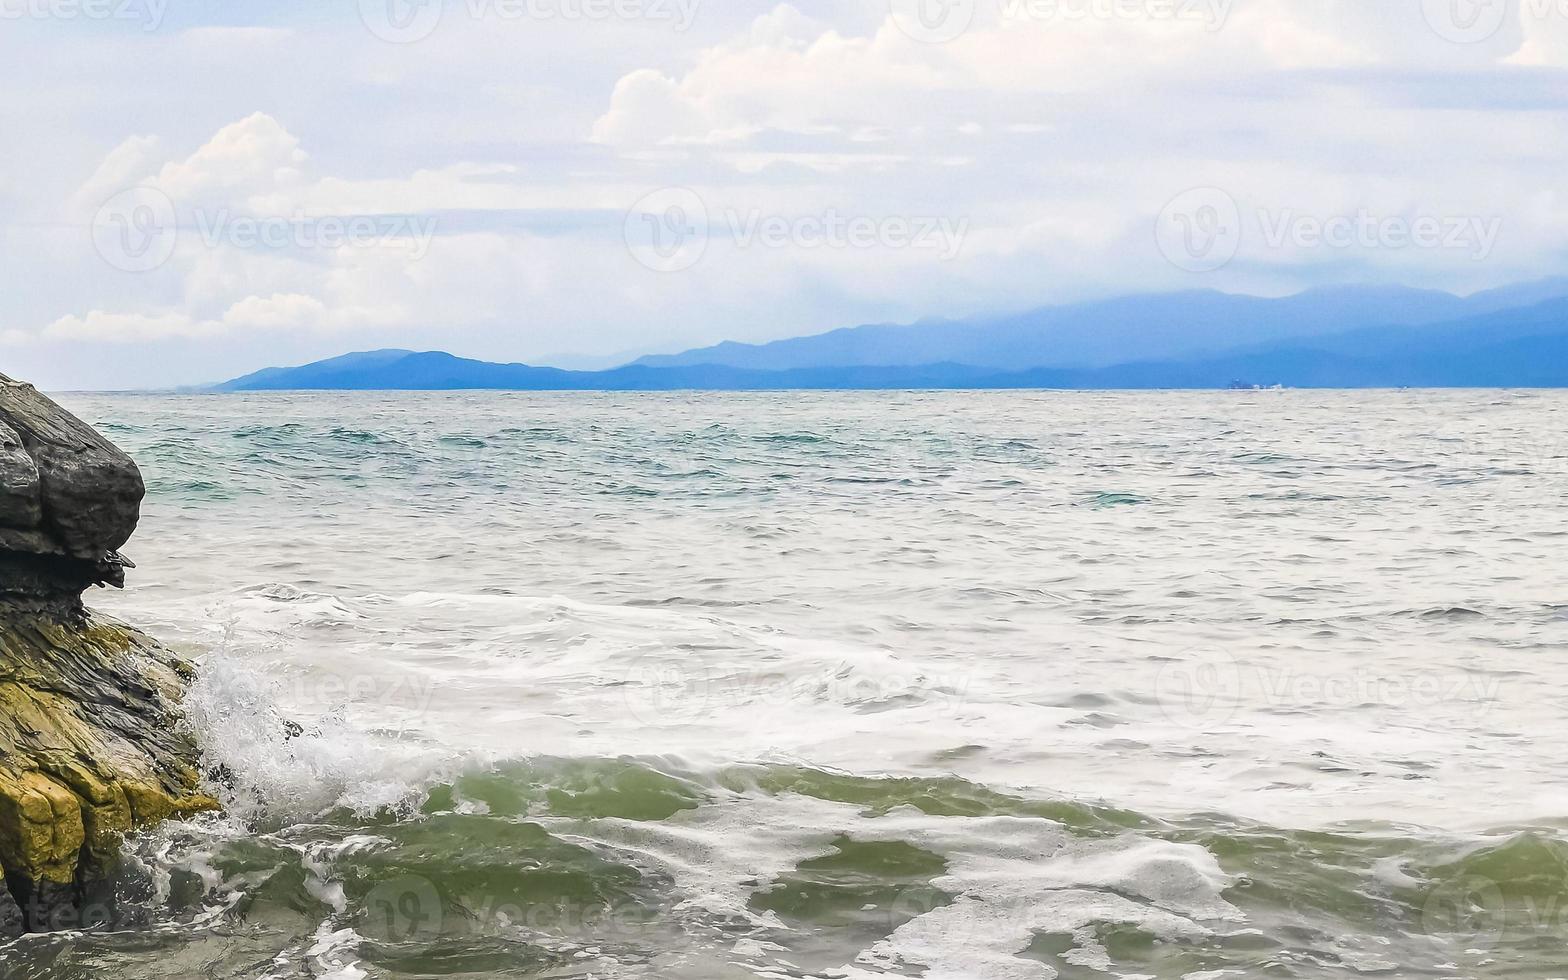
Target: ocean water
958, 686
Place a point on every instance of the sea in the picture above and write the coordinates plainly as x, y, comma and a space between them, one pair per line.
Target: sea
948, 685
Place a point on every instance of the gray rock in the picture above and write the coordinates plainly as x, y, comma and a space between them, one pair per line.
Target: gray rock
69, 499
11, 921
91, 741
21, 503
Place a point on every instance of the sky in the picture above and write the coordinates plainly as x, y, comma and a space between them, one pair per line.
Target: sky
191, 190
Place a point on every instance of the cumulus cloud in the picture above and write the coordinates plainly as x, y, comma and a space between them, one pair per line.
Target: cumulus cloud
247, 256
246, 162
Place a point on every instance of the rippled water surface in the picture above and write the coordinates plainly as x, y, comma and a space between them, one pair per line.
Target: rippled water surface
958, 685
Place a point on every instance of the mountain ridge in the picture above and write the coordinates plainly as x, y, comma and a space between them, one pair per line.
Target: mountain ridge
1511, 347
1101, 333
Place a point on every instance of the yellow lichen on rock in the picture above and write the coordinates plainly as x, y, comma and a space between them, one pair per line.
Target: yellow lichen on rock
90, 744
40, 827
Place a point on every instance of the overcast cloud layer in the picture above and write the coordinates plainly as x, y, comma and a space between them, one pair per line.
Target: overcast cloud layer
189, 192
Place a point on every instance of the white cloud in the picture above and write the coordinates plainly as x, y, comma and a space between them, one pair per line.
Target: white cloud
278, 312
247, 162
1056, 140
126, 166
222, 40
100, 325
1545, 36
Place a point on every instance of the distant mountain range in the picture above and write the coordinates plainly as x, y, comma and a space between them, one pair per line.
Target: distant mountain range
1351, 337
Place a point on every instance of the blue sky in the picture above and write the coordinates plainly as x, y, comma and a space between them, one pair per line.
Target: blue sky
189, 191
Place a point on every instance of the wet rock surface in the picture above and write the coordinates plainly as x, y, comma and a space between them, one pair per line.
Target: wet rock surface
91, 742
69, 499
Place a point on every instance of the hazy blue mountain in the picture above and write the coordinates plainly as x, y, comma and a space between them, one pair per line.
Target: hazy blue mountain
1097, 334
1471, 333
1525, 347
438, 371
332, 368
1516, 295
1512, 348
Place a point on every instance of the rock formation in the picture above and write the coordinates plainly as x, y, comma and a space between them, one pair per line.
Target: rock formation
90, 741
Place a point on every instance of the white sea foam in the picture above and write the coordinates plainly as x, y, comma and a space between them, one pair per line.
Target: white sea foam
271, 765
1012, 878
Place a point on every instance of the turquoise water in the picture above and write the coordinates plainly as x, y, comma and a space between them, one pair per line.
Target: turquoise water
959, 685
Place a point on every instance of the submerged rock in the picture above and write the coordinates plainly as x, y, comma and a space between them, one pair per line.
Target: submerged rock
91, 745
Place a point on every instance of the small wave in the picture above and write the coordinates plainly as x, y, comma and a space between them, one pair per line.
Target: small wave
1112, 498
270, 770
462, 442
1455, 614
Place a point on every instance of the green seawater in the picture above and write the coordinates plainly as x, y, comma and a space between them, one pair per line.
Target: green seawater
584, 868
